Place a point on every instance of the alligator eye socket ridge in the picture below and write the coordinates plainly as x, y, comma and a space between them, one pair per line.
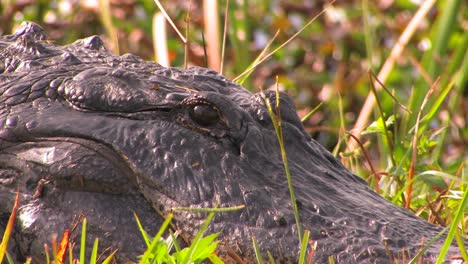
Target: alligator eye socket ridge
204, 114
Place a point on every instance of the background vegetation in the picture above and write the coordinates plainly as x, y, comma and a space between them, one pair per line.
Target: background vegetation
417, 158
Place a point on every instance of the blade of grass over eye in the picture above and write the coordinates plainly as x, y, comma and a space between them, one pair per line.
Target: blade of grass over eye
258, 254
276, 120
9, 228
250, 68
155, 240
83, 241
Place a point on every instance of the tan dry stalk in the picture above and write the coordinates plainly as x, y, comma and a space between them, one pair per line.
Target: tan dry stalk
210, 16
160, 40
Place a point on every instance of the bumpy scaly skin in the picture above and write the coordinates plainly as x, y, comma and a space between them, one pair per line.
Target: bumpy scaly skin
109, 135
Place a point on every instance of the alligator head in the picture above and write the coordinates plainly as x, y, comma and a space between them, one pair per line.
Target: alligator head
84, 131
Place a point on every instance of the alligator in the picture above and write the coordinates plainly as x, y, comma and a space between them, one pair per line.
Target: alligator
86, 132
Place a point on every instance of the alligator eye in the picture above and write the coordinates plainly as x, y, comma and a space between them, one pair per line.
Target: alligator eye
204, 115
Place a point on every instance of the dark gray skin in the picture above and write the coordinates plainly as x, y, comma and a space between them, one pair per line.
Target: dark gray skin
109, 135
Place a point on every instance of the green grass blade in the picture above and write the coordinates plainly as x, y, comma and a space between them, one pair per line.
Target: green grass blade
258, 254
205, 248
453, 229
93, 258
215, 259
83, 242
271, 259
276, 120
9, 258
145, 236
155, 241
174, 239
415, 259
302, 253
461, 246
245, 75
197, 238
436, 106
311, 113
284, 43
109, 258
47, 257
